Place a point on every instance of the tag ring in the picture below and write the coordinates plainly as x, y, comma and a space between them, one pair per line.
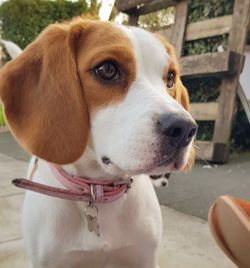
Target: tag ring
92, 195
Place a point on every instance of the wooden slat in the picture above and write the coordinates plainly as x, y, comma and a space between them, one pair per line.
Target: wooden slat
204, 150
208, 28
177, 38
218, 63
142, 6
155, 6
123, 6
204, 111
202, 29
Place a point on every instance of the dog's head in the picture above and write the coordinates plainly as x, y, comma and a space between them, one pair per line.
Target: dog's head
160, 180
96, 84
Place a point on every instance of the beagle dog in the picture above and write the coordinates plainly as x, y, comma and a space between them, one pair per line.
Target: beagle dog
97, 103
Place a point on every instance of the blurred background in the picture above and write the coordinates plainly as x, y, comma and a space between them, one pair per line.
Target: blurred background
212, 40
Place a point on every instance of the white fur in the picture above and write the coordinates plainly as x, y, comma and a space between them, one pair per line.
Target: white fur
55, 231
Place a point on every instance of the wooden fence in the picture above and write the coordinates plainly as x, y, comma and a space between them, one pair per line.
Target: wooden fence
227, 64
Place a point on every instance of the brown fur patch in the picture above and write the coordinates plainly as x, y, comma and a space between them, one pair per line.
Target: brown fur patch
104, 41
48, 91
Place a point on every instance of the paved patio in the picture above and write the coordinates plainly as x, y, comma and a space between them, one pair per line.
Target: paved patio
186, 239
12, 254
194, 192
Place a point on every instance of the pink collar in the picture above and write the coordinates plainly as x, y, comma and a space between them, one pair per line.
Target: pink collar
78, 188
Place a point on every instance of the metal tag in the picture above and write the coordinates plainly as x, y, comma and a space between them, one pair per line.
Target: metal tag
93, 225
90, 212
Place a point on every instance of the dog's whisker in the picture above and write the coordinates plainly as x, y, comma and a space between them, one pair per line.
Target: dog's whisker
196, 147
201, 159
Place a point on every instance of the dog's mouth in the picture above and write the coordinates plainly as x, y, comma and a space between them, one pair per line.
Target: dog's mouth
166, 163
165, 160
159, 164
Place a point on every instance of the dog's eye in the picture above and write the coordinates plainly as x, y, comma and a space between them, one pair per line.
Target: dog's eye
107, 70
170, 79
155, 177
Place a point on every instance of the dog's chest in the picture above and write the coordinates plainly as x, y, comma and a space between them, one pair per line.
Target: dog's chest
130, 224
136, 214
122, 230
121, 223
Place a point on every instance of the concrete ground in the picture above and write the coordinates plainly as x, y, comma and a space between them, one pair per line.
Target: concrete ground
194, 192
9, 146
186, 238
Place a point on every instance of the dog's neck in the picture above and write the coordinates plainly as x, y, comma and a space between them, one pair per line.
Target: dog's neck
88, 166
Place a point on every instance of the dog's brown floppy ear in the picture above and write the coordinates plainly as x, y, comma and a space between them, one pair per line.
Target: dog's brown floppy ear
43, 100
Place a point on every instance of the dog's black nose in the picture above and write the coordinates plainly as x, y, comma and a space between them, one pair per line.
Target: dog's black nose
163, 184
179, 129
